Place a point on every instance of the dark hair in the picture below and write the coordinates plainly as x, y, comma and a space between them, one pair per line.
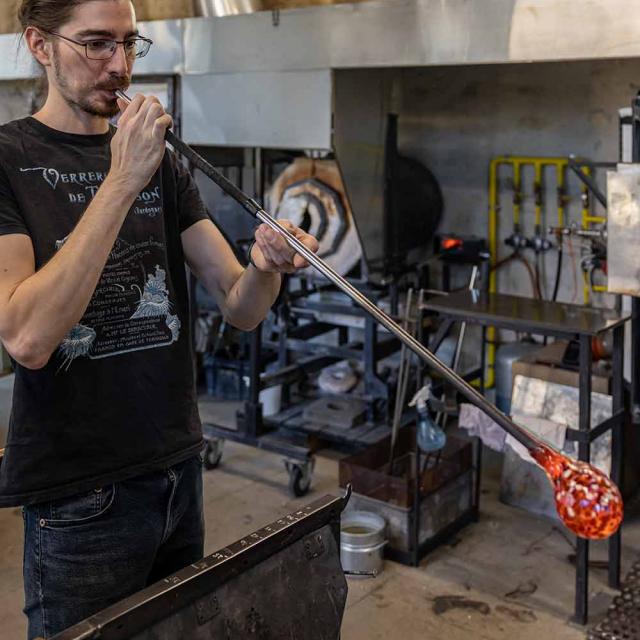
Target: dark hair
48, 15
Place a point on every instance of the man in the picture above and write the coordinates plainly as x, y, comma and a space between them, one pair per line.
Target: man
95, 227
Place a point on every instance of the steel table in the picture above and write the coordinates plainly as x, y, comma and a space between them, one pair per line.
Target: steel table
571, 321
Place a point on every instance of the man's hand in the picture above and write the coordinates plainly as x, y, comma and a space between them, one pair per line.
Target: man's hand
272, 254
138, 146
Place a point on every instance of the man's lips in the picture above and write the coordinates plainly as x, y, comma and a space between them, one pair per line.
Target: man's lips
109, 93
112, 87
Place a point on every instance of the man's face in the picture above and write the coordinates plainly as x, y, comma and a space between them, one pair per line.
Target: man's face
89, 84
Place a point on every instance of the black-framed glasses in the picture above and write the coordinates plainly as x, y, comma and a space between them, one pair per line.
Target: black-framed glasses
105, 49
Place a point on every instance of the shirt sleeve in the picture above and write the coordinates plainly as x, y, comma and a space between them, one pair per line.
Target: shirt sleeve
191, 209
11, 220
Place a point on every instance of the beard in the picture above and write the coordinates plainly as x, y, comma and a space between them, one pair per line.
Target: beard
82, 98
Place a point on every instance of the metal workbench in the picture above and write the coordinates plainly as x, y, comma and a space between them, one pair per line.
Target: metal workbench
561, 320
281, 581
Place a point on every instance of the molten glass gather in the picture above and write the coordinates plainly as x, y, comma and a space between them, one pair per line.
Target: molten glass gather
588, 502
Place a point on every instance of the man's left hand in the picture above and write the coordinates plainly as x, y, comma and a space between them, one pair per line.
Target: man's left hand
272, 254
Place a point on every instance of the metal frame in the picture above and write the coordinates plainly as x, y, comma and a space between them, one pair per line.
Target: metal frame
584, 435
635, 301
418, 550
258, 431
252, 429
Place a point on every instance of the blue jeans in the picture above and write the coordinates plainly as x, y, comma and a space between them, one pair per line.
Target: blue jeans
85, 553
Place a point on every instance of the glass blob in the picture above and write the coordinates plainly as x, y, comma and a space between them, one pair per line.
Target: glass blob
588, 502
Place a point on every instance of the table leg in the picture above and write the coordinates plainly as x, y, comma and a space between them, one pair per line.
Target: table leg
483, 357
478, 470
617, 437
584, 451
417, 505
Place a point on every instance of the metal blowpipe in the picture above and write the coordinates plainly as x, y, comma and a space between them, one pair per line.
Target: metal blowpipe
550, 459
252, 207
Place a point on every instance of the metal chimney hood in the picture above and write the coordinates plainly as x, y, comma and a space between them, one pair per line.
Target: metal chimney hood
398, 33
380, 33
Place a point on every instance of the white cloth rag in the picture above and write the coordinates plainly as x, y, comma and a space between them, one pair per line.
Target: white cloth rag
478, 423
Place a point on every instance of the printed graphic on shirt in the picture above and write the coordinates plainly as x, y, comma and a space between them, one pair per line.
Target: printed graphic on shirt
77, 343
131, 309
81, 187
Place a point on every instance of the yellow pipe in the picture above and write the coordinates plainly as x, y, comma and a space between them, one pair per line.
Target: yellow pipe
493, 259
586, 214
560, 179
538, 194
586, 209
596, 288
517, 193
551, 160
493, 221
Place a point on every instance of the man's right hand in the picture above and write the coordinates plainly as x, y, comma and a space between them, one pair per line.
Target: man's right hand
138, 146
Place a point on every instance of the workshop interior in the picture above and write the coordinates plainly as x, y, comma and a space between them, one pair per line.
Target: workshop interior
435, 431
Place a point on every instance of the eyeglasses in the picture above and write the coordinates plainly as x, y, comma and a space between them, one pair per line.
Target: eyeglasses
103, 49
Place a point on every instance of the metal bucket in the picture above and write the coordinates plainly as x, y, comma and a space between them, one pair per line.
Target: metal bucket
362, 541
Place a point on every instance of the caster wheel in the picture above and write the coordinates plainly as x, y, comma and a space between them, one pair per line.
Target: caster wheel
213, 454
300, 474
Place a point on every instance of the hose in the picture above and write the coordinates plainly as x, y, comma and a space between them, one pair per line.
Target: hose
556, 285
535, 285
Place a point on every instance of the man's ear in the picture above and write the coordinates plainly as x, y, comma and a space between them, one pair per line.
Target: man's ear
41, 48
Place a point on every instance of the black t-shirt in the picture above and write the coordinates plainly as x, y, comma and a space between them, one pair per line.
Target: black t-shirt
117, 397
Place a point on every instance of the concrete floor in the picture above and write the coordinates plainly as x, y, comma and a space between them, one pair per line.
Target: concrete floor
506, 576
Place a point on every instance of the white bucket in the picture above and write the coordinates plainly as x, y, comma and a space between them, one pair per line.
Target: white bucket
271, 400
